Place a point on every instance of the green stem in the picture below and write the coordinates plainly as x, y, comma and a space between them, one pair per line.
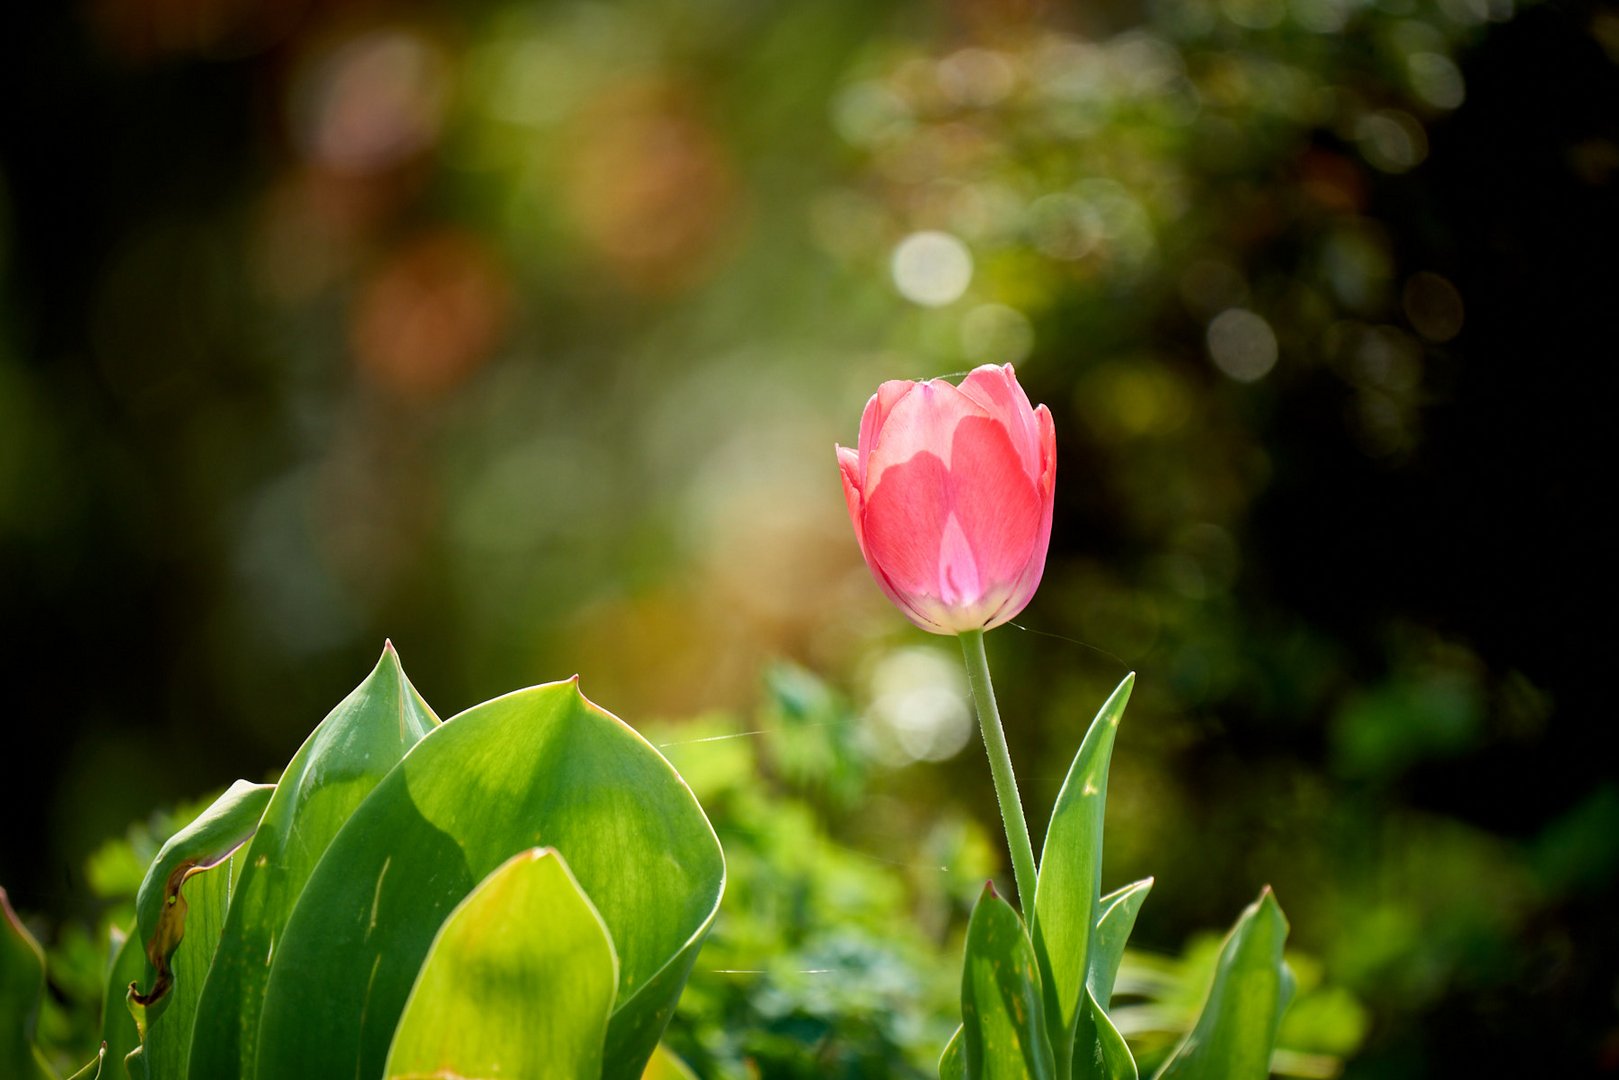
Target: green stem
1000, 764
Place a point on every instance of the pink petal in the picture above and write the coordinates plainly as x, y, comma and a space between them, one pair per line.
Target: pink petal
1047, 439
922, 421
995, 500
905, 519
996, 391
1029, 581
849, 468
1018, 597
876, 414
959, 583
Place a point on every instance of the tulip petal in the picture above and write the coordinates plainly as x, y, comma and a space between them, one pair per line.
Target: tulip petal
1029, 581
849, 467
996, 391
959, 583
1048, 455
996, 502
905, 518
871, 421
922, 421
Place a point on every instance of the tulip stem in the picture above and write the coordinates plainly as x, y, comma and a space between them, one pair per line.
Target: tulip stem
1000, 764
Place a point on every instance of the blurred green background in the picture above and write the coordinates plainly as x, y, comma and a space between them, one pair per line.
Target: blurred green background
521, 333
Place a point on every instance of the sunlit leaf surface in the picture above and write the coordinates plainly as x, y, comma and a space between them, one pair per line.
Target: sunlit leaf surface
1002, 1019
1067, 896
519, 982
171, 1021
161, 906
327, 779
539, 767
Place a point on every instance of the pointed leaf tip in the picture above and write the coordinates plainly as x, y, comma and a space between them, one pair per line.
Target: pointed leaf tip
520, 977
1066, 900
1235, 1032
389, 661
1271, 907
1003, 1022
536, 758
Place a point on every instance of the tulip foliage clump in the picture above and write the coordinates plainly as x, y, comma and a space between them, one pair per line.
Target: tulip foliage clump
520, 890
1035, 994
950, 493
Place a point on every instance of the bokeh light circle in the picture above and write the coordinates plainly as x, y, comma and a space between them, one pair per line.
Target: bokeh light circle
1242, 344
931, 268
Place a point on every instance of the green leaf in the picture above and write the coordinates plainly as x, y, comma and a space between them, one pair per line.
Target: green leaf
331, 774
22, 987
953, 1062
1003, 1020
1234, 1035
205, 894
1099, 1049
160, 908
1108, 1055
1114, 922
539, 767
519, 982
666, 1066
118, 1032
1066, 895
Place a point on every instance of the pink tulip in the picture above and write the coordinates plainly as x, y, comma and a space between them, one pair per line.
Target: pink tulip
950, 494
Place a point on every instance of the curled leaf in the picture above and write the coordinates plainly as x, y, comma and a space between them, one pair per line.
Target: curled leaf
160, 904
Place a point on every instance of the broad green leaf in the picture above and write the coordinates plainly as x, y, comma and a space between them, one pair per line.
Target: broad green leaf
1235, 1033
118, 1032
169, 1024
953, 1062
519, 982
160, 907
1066, 895
664, 1065
326, 780
1002, 1018
539, 767
22, 987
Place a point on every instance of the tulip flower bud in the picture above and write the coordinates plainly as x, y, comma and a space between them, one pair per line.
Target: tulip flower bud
950, 492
